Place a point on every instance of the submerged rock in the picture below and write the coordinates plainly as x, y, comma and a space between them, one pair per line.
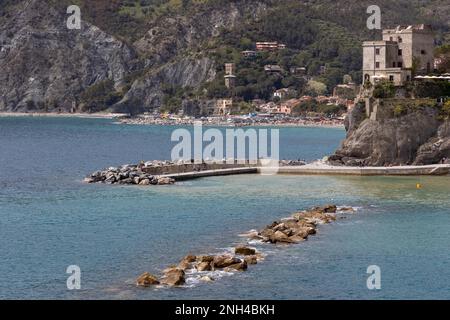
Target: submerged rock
206, 279
245, 251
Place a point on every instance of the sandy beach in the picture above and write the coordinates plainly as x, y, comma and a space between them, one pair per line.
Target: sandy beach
61, 115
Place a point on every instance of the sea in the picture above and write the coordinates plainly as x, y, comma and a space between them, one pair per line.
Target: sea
51, 220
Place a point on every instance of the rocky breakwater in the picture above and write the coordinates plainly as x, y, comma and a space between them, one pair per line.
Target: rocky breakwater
287, 231
140, 174
202, 265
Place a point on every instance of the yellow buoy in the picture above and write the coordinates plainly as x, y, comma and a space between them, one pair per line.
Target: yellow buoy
418, 186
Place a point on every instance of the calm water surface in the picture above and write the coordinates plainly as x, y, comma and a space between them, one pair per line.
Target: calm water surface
50, 220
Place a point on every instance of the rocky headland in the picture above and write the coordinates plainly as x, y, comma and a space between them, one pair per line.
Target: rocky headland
287, 231
404, 132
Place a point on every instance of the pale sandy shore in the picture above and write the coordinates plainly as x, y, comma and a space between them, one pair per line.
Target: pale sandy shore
60, 115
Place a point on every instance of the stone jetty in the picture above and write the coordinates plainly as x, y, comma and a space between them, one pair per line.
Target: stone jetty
167, 172
287, 231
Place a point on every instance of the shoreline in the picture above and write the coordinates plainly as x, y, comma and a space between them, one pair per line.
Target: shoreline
224, 124
60, 115
221, 124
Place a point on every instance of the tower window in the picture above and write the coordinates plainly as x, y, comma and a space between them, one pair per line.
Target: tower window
400, 52
377, 51
400, 64
391, 78
423, 52
400, 40
393, 65
377, 65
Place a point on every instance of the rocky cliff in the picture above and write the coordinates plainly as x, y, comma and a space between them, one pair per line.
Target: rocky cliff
45, 66
417, 136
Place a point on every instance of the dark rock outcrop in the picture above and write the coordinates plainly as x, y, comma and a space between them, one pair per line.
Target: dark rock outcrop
416, 137
436, 149
148, 92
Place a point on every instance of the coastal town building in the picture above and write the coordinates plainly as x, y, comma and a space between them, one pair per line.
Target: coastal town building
301, 71
230, 81
249, 53
230, 78
403, 51
273, 69
269, 46
229, 69
282, 93
223, 107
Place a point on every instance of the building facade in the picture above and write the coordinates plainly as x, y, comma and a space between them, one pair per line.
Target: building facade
402, 52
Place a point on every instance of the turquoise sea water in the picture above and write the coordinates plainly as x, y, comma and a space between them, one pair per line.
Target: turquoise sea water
49, 220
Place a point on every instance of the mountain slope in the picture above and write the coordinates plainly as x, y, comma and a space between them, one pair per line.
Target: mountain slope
135, 56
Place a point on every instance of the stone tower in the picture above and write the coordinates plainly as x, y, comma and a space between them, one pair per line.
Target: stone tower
230, 78
402, 52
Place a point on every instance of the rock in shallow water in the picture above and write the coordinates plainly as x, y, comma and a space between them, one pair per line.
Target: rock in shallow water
146, 280
224, 261
173, 277
245, 251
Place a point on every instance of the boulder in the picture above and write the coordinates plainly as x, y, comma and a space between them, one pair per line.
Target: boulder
126, 181
279, 236
241, 266
205, 258
330, 208
165, 181
245, 251
146, 280
173, 277
89, 180
224, 261
204, 266
206, 279
190, 258
267, 233
144, 182
186, 262
251, 259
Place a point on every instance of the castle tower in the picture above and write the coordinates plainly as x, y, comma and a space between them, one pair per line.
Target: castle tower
230, 78
402, 52
229, 69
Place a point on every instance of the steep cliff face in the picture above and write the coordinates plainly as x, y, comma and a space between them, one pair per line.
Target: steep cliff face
46, 66
437, 148
418, 137
147, 93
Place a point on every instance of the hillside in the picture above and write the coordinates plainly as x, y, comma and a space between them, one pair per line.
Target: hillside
135, 56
